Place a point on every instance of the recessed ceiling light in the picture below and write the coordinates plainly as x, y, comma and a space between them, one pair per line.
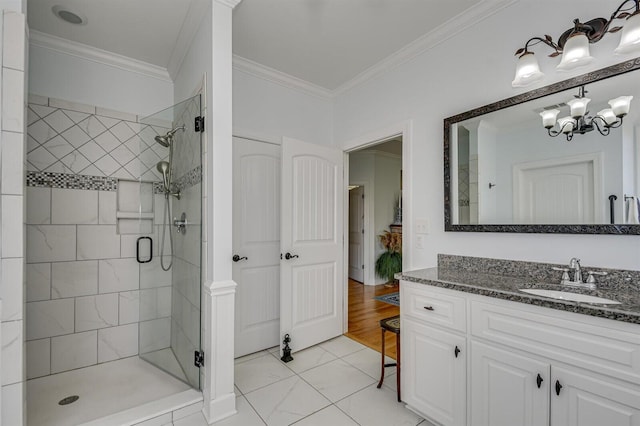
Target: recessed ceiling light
66, 15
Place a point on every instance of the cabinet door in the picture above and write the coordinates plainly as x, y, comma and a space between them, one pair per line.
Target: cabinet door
508, 389
581, 398
434, 373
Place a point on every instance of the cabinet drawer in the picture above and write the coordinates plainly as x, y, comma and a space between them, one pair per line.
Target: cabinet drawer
436, 306
585, 342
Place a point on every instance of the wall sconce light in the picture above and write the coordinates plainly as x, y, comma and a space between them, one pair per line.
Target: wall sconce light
573, 44
578, 122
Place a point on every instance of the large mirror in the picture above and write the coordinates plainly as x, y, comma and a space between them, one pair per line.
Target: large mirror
505, 172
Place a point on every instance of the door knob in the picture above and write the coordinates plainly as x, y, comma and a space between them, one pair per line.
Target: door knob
237, 258
289, 256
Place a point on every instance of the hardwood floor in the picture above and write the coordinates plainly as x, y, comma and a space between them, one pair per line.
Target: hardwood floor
365, 314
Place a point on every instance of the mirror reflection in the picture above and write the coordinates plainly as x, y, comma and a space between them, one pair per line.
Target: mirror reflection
567, 158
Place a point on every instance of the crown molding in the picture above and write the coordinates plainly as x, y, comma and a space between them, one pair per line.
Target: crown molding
188, 31
90, 53
449, 29
230, 3
266, 73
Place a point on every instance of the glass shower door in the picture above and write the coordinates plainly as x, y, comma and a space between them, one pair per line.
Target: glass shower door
170, 282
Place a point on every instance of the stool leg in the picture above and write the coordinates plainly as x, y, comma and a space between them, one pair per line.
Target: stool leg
382, 364
398, 365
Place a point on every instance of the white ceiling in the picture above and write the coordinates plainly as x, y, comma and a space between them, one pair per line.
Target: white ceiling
323, 42
146, 30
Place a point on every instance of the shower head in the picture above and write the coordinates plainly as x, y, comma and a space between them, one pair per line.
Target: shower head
163, 167
167, 138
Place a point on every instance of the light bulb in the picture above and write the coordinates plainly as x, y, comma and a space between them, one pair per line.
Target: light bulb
621, 105
575, 53
549, 117
566, 124
578, 107
527, 71
630, 38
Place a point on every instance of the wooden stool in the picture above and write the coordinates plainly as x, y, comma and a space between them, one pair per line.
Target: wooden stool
391, 324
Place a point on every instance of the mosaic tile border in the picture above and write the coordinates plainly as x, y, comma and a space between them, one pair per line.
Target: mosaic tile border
69, 181
101, 183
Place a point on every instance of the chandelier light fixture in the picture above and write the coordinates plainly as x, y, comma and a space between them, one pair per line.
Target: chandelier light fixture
573, 44
578, 120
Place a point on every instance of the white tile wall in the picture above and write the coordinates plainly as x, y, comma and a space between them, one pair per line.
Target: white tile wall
98, 242
12, 404
118, 275
13, 46
12, 163
51, 243
11, 290
74, 351
49, 318
12, 100
129, 311
93, 312
107, 207
12, 226
155, 335
38, 281
12, 339
71, 206
72, 279
38, 358
38, 205
117, 342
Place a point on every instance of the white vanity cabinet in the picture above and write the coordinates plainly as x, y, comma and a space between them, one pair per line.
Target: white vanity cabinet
434, 378
522, 364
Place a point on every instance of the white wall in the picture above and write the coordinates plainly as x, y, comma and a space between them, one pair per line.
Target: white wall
379, 172
471, 69
59, 75
268, 111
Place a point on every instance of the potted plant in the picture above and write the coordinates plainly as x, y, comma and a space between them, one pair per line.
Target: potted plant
390, 262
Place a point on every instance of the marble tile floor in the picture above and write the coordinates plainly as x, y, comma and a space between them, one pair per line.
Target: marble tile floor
331, 384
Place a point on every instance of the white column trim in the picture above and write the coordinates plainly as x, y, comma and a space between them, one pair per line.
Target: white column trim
218, 335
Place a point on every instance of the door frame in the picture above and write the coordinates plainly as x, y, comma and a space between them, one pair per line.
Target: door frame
366, 225
404, 129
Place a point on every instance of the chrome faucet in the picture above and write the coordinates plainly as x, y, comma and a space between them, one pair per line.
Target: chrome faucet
574, 265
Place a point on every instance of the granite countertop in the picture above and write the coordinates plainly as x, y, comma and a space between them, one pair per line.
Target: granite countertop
506, 287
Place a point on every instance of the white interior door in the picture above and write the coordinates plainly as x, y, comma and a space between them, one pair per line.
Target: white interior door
311, 289
256, 243
356, 234
559, 191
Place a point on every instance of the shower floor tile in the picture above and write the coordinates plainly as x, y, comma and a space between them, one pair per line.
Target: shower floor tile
135, 382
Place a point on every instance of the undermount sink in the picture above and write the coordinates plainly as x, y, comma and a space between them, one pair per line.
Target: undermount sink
565, 295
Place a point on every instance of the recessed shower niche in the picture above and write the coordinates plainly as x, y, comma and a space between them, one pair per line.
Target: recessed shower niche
113, 290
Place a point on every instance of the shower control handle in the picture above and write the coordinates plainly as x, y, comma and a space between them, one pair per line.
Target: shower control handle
237, 258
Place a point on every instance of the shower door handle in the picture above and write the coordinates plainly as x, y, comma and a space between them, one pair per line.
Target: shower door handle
138, 249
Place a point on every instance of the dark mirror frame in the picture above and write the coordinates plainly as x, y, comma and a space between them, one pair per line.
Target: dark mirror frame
604, 73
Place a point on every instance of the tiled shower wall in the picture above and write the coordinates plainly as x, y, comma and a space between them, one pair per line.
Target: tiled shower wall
12, 137
84, 285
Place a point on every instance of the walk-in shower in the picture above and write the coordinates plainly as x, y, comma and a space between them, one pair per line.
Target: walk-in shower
113, 310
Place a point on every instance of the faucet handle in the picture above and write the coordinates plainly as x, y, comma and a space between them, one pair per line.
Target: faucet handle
591, 279
565, 273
